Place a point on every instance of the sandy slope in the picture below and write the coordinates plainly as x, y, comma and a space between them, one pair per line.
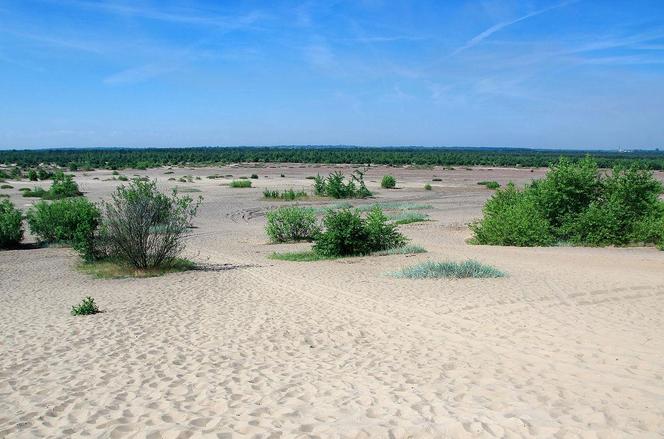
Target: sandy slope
569, 345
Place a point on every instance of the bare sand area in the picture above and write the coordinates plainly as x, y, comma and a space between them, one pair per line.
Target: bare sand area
569, 344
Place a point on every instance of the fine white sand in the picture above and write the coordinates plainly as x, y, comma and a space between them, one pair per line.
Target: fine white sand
570, 344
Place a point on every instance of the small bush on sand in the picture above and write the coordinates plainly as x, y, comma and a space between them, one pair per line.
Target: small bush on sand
388, 182
435, 270
336, 186
288, 224
347, 234
254, 176
6, 186
70, 221
427, 187
63, 186
489, 184
287, 195
240, 183
11, 225
86, 307
145, 228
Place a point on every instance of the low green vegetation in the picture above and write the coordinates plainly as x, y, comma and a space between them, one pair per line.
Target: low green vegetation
455, 270
427, 187
388, 182
489, 184
408, 249
287, 195
118, 269
409, 217
11, 225
290, 224
240, 183
254, 176
63, 186
302, 256
577, 204
6, 186
336, 186
86, 307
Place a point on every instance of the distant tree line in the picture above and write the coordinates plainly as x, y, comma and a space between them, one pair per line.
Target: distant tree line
397, 156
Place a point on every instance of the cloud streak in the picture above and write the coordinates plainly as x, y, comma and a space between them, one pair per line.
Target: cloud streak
477, 39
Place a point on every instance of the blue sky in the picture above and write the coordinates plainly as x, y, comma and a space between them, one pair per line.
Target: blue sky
573, 74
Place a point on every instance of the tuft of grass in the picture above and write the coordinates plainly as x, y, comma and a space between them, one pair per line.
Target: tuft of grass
215, 176
4, 196
395, 206
35, 193
409, 217
240, 183
454, 270
301, 256
85, 308
6, 186
110, 269
436, 179
310, 177
287, 195
405, 250
254, 176
427, 187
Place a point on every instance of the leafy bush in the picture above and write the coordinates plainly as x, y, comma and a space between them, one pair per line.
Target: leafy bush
254, 176
63, 186
71, 221
145, 228
32, 175
435, 270
86, 307
347, 233
292, 224
241, 183
335, 186
287, 195
388, 182
489, 184
427, 187
575, 203
511, 217
11, 225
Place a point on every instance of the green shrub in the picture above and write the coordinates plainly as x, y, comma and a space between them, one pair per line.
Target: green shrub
145, 228
650, 229
32, 175
35, 193
427, 187
489, 184
347, 234
336, 186
287, 195
63, 186
71, 221
455, 270
11, 225
6, 186
388, 182
241, 183
86, 307
254, 176
292, 224
511, 217
575, 203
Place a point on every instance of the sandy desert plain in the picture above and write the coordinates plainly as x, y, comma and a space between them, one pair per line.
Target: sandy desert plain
569, 344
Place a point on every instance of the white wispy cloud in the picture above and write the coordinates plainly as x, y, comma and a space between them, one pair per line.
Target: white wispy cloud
477, 39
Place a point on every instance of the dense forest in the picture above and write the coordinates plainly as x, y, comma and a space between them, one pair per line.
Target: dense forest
153, 157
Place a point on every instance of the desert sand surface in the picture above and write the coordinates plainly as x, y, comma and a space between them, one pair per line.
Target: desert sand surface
570, 344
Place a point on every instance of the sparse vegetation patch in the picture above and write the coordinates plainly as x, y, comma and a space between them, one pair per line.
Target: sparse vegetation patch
455, 270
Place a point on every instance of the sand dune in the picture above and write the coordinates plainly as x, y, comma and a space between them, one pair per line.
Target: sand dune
568, 345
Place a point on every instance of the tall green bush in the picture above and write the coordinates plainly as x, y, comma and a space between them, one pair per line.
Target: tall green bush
336, 186
578, 204
71, 221
11, 225
388, 182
